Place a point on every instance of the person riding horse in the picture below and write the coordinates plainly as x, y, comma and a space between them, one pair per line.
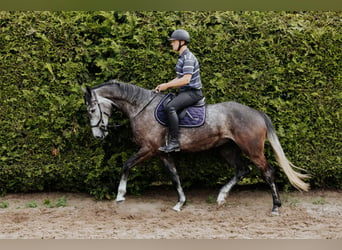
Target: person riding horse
234, 129
188, 81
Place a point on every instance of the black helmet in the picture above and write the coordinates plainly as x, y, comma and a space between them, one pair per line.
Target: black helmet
181, 35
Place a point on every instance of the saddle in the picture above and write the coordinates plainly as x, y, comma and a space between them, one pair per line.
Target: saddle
190, 117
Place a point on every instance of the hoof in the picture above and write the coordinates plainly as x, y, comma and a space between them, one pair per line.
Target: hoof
220, 202
120, 199
275, 211
177, 208
221, 199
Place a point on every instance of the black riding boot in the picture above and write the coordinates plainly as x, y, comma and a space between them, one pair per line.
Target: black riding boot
173, 142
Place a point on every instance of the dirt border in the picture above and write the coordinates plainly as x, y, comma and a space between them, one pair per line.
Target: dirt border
246, 215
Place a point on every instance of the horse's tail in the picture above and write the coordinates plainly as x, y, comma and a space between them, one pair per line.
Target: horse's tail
295, 178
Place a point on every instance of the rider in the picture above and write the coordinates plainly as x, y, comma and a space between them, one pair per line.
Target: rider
188, 81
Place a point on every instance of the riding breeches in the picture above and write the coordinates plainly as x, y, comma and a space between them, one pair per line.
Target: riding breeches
182, 100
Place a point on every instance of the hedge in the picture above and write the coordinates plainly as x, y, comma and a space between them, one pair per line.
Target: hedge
287, 64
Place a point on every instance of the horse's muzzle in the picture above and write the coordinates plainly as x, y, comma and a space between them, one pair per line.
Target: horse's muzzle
100, 138
99, 134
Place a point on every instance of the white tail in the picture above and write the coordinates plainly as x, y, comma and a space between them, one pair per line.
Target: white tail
295, 178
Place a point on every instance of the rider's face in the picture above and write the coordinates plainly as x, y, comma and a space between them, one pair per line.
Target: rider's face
175, 44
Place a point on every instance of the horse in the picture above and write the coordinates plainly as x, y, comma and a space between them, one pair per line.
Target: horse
236, 130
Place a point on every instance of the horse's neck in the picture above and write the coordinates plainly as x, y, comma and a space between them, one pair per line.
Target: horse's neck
127, 103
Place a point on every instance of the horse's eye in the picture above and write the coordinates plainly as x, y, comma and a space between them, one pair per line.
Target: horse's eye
92, 111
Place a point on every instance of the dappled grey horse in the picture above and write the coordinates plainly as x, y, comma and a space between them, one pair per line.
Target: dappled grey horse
233, 128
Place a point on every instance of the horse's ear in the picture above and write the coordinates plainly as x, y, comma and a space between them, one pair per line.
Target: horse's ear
86, 90
89, 90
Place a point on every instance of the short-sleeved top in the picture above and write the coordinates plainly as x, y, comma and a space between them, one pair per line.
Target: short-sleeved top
188, 64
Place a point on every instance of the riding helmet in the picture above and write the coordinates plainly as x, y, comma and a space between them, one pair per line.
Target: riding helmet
181, 35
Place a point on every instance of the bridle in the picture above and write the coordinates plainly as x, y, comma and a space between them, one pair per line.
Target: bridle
100, 124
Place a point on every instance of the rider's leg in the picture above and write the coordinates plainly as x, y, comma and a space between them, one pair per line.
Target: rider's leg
181, 101
173, 142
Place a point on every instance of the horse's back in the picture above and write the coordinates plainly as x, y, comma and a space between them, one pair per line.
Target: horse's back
234, 119
235, 110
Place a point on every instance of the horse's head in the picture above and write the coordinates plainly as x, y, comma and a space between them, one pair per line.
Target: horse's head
99, 110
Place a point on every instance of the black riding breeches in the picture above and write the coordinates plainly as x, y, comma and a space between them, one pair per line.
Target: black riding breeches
182, 100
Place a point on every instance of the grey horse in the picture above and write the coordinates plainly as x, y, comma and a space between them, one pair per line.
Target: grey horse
234, 129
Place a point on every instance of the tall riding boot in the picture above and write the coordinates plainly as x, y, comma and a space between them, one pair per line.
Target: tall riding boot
173, 142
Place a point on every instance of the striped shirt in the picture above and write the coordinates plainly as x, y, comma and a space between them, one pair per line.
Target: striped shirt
187, 64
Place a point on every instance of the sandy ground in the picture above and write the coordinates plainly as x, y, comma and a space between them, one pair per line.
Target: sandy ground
247, 215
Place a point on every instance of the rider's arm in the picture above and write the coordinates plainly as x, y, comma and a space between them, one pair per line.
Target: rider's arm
177, 82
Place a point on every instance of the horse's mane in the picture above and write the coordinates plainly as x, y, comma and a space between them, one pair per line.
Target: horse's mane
130, 92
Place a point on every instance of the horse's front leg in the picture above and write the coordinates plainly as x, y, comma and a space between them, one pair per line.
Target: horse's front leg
122, 187
170, 166
141, 155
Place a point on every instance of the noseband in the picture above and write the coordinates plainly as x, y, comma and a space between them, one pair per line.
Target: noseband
100, 123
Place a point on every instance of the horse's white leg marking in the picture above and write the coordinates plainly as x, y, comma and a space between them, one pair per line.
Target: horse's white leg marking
181, 201
178, 206
275, 211
169, 164
225, 190
121, 190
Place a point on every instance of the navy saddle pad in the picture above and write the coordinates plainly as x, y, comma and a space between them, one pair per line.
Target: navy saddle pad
190, 117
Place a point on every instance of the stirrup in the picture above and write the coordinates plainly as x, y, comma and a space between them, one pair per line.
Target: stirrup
171, 147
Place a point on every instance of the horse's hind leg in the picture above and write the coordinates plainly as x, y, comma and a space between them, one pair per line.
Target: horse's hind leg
268, 173
269, 177
232, 154
252, 142
170, 166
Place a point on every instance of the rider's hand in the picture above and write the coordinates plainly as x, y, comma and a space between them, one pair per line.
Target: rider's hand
161, 87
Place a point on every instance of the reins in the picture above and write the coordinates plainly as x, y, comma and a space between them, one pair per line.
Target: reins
143, 108
136, 115
98, 124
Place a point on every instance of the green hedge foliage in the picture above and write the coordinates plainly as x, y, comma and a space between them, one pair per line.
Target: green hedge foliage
286, 64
